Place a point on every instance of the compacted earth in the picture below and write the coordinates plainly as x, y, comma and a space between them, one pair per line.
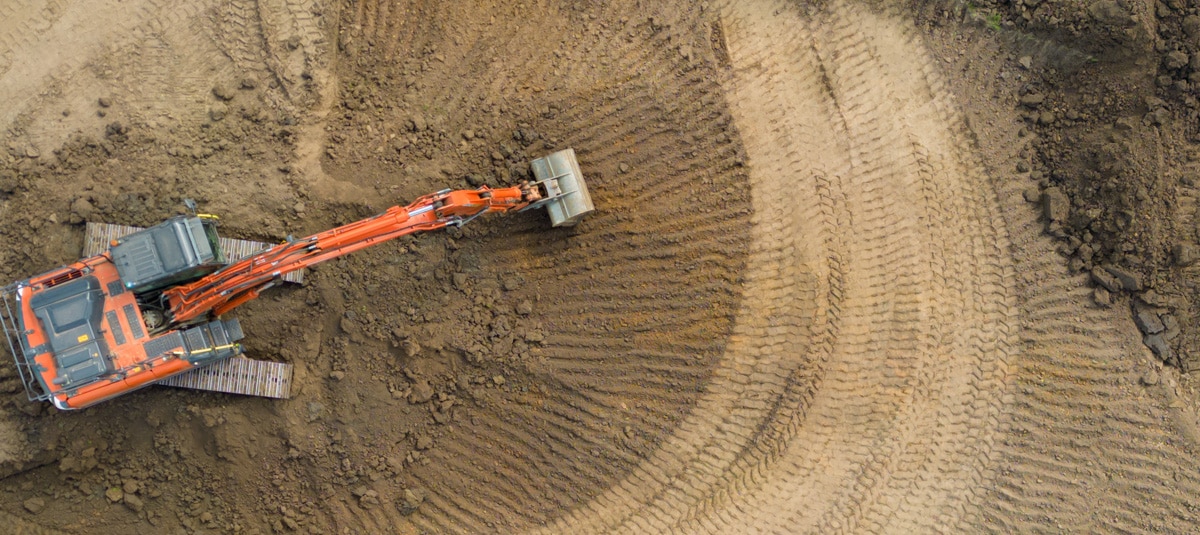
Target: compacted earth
855, 266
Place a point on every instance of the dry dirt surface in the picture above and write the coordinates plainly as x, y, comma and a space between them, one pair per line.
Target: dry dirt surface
885, 267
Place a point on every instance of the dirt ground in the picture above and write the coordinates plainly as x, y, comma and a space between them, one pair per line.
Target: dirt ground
856, 266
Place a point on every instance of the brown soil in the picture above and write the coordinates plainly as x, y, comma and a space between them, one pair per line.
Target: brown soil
883, 267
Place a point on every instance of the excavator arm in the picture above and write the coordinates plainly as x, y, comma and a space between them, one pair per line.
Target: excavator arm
242, 281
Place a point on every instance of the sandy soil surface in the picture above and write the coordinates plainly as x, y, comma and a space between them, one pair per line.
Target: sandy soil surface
880, 267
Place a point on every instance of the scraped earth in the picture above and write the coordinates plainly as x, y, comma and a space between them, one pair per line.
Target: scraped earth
856, 266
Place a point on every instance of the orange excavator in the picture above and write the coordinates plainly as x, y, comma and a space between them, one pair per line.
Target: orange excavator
153, 305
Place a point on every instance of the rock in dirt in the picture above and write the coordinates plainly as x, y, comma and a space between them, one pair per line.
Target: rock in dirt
1056, 206
134, 503
421, 392
1130, 280
315, 411
1151, 297
290, 523
223, 92
535, 336
417, 123
1185, 254
1159, 346
1147, 319
1032, 100
410, 501
1170, 327
34, 505
368, 500
411, 347
1102, 297
424, 442
1191, 26
1158, 117
81, 210
217, 112
1105, 280
115, 128
104, 102
114, 494
1175, 60
1031, 194
524, 308
1109, 12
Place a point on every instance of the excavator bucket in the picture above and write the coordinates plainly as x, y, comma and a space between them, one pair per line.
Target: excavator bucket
566, 195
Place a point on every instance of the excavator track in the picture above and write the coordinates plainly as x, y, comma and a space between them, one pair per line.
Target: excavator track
238, 375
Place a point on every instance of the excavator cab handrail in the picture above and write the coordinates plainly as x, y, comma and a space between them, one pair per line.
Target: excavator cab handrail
12, 333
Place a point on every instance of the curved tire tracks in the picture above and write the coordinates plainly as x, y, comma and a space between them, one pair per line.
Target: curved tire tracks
892, 370
861, 388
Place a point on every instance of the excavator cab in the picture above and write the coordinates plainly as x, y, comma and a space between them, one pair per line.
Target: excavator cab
180, 249
564, 194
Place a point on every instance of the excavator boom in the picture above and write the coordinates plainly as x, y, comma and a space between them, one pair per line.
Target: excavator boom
240, 282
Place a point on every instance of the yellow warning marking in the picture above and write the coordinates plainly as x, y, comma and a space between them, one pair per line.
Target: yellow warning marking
82, 338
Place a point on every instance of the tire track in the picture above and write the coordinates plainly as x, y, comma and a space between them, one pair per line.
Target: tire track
1080, 420
278, 41
875, 397
152, 58
245, 37
44, 48
294, 48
